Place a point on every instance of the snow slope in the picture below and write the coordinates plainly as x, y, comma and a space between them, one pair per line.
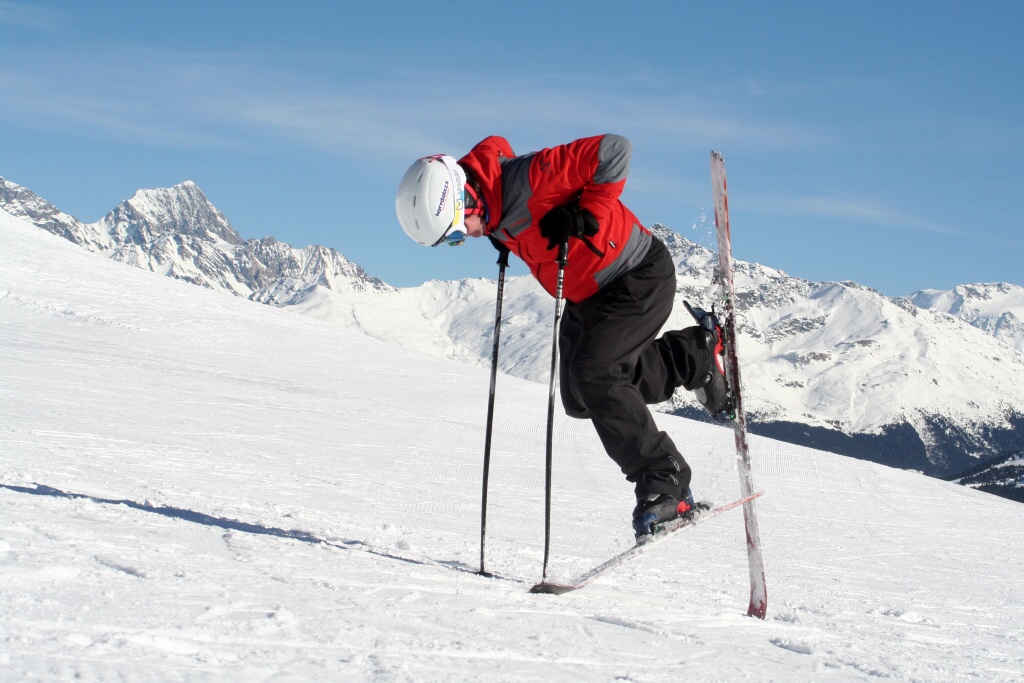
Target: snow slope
195, 487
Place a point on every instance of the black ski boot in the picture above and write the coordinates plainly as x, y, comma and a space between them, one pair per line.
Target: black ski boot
709, 383
657, 508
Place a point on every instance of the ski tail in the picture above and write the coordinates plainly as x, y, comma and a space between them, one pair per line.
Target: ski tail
672, 528
758, 591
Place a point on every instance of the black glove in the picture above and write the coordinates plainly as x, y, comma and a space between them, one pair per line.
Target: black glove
563, 222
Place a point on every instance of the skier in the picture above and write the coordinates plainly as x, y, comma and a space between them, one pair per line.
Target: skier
619, 288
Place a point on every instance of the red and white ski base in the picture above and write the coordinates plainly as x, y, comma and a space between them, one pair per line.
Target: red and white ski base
719, 190
667, 531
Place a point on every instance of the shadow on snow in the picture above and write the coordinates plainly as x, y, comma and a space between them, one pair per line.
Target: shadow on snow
234, 525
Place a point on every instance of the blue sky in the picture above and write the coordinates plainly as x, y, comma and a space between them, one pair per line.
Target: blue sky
880, 142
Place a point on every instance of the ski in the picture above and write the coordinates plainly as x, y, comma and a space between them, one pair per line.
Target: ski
664, 532
758, 592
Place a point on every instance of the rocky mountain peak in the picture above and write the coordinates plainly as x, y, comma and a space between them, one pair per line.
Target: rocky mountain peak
181, 209
177, 231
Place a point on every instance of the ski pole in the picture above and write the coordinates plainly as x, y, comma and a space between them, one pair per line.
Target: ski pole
502, 265
563, 257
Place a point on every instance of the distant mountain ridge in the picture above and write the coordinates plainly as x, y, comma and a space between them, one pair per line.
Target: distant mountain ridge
177, 232
906, 381
997, 308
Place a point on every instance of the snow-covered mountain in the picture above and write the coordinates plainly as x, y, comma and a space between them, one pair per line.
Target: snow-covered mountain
177, 232
842, 367
997, 308
195, 487
903, 381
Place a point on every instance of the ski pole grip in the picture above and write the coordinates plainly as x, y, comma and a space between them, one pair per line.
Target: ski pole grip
563, 253
503, 251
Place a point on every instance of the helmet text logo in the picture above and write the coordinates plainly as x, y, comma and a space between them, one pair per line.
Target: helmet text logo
444, 197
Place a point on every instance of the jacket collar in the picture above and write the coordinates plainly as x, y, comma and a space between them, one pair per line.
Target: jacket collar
484, 162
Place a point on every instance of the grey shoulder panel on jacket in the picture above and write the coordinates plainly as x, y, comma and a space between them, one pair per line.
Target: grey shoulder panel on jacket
516, 192
613, 157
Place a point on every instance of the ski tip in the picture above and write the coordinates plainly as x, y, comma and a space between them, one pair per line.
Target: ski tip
549, 588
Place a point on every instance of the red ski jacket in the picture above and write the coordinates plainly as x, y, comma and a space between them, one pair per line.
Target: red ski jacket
519, 191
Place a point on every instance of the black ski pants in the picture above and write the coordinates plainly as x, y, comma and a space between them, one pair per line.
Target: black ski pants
612, 367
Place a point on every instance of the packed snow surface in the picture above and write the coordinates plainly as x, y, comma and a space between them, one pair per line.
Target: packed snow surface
194, 487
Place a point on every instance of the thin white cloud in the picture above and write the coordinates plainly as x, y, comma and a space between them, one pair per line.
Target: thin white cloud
228, 99
131, 95
26, 15
860, 211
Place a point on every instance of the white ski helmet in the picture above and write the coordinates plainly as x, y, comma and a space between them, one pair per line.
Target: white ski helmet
431, 202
